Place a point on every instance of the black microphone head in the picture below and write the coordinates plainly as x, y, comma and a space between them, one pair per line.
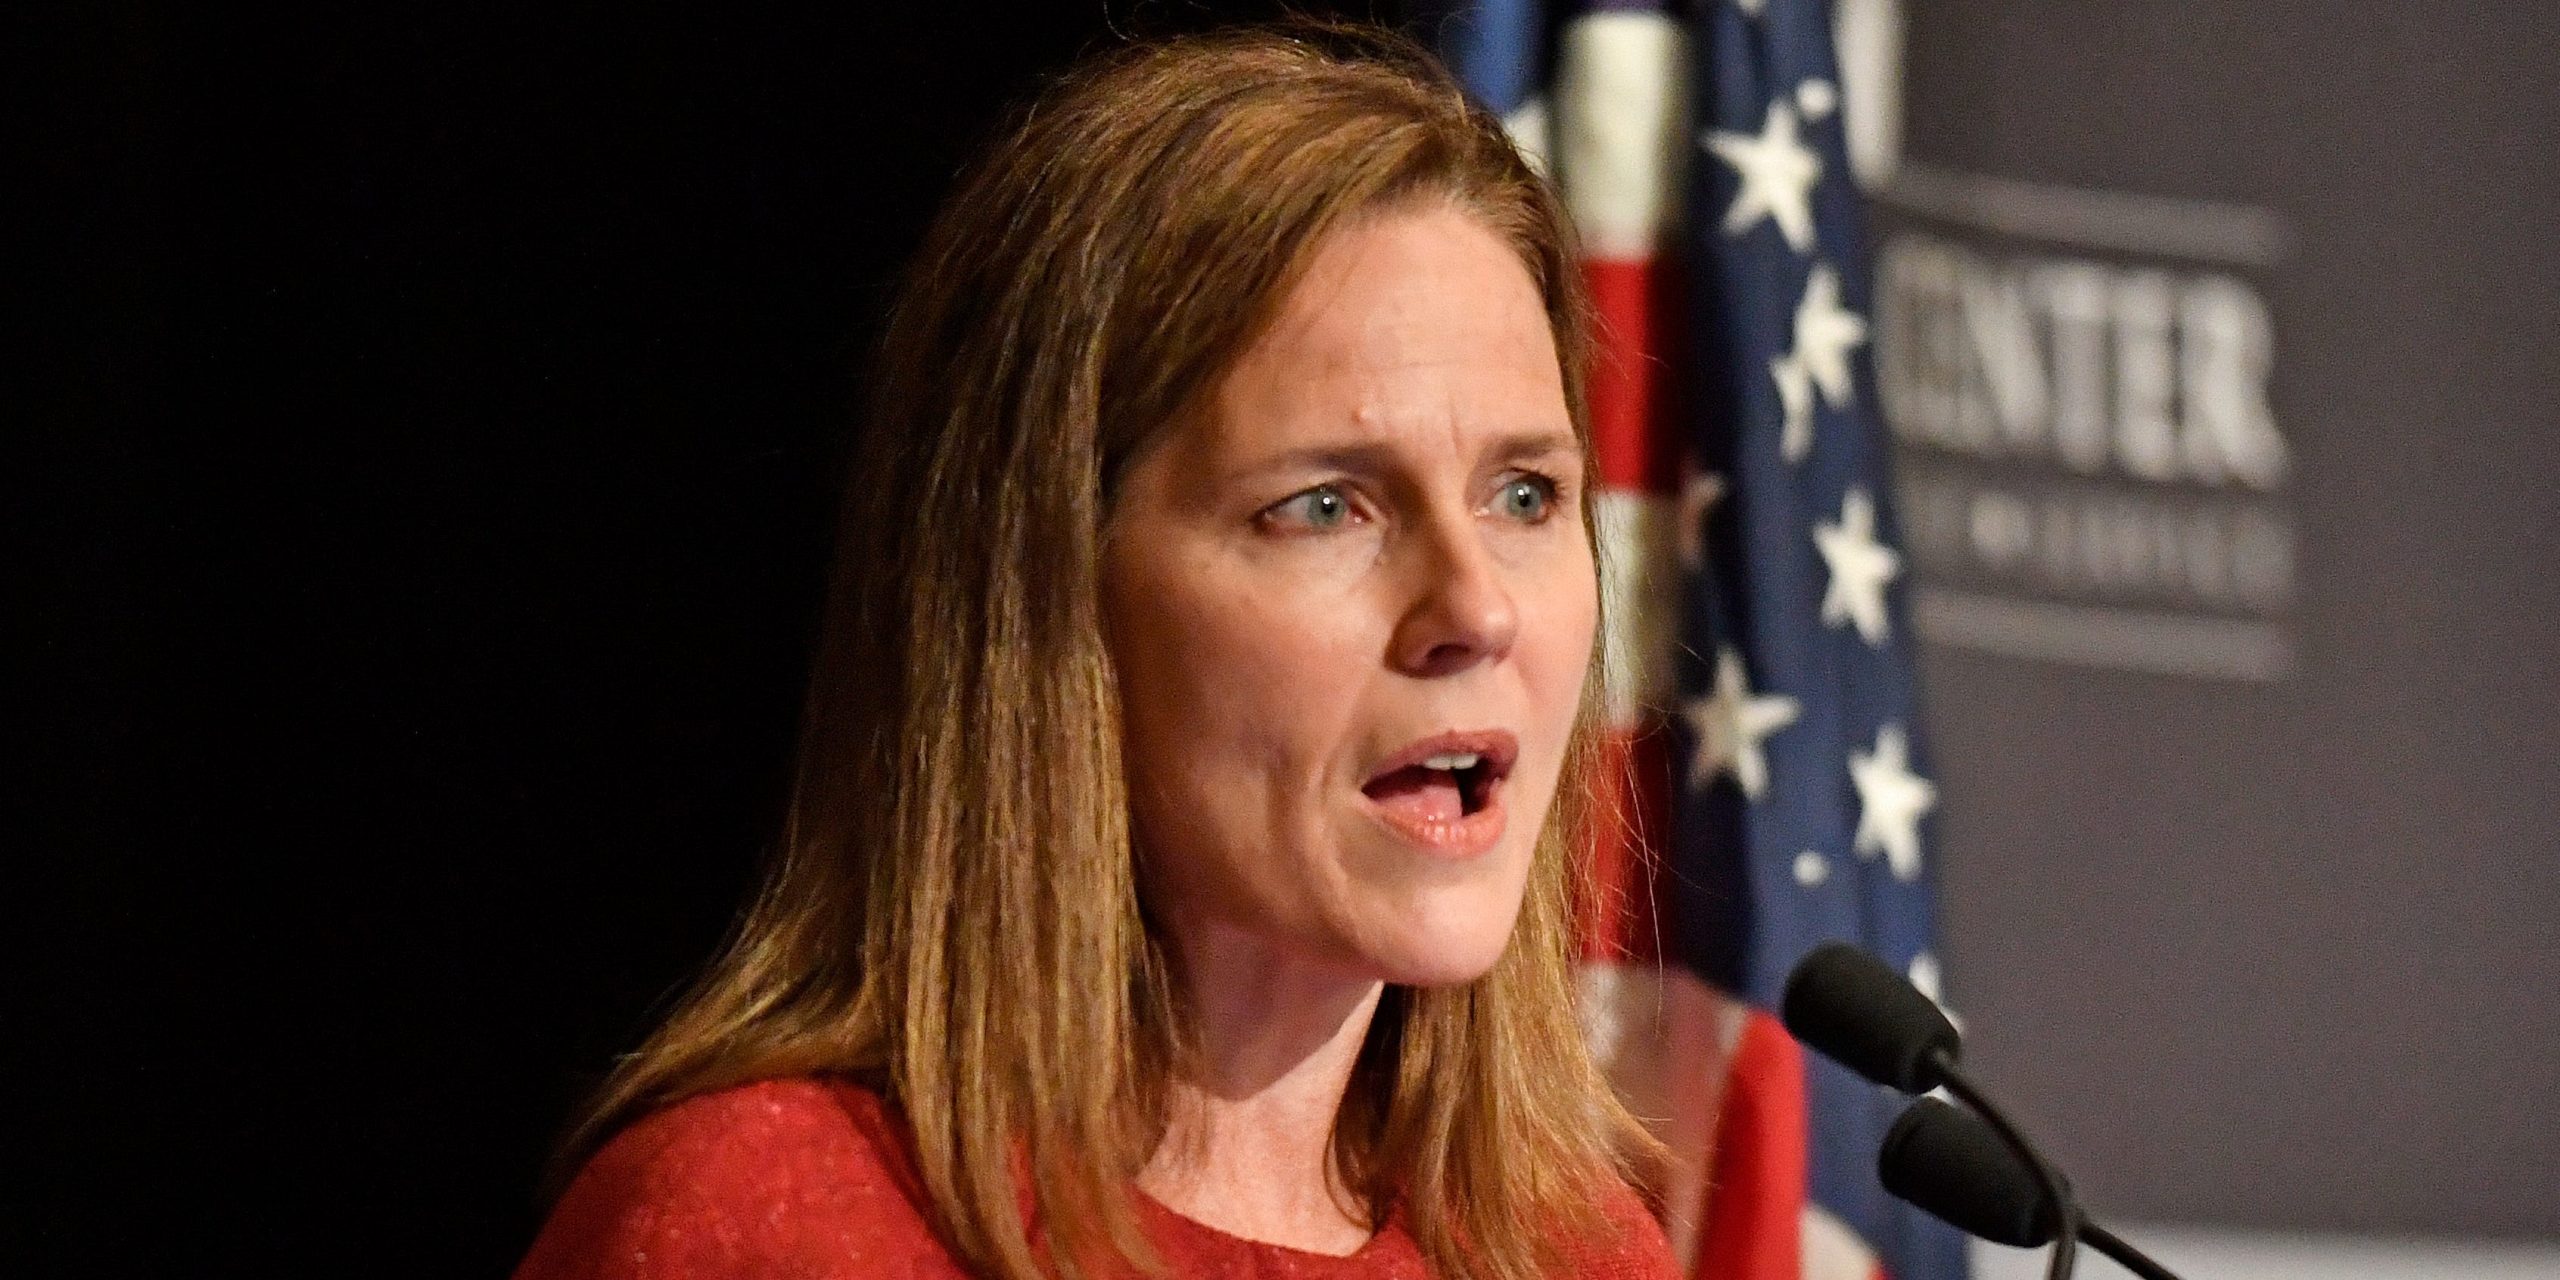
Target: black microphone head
1861, 1014
1950, 1163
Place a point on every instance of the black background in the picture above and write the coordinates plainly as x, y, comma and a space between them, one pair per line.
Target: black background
436, 437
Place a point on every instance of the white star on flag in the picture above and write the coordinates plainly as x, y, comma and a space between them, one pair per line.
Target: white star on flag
1891, 802
1777, 175
1929, 981
1795, 404
1824, 334
1860, 567
1730, 724
1816, 98
1811, 869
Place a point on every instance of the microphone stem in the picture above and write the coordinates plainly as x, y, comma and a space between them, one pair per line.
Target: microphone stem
2115, 1246
2068, 1224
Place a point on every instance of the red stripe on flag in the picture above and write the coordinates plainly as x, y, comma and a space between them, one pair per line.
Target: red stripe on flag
1755, 1211
1631, 810
1632, 412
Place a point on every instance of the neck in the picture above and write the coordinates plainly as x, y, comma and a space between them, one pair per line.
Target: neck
1249, 1149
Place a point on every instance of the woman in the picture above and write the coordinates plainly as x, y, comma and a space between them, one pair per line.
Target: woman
1177, 875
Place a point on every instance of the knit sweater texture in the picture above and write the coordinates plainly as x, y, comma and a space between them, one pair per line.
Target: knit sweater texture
812, 1178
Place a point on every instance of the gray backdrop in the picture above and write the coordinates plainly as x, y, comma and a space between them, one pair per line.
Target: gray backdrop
2213, 335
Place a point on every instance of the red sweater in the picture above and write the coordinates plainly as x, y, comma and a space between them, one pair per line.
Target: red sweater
811, 1179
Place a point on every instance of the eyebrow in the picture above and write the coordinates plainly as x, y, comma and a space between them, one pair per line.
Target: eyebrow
1374, 456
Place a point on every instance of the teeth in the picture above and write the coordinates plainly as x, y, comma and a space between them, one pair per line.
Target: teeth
1453, 760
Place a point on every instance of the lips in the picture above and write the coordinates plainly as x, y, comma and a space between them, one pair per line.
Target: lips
1444, 793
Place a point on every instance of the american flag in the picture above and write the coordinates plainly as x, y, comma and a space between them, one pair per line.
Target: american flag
1775, 790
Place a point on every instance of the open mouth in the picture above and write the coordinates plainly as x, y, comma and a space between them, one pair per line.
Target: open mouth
1445, 792
1446, 787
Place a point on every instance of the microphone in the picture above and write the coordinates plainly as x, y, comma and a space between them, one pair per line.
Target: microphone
1855, 1010
1952, 1165
1939, 1157
1864, 1016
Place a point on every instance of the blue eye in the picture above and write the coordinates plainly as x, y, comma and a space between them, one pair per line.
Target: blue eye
1526, 498
1322, 507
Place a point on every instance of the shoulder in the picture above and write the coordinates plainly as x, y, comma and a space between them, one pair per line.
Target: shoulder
1631, 1245
795, 1177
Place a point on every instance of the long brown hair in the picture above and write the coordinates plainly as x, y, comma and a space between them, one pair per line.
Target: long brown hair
953, 910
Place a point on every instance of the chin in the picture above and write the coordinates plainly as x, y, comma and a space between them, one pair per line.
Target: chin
1447, 943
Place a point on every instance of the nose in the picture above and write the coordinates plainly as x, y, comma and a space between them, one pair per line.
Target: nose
1462, 612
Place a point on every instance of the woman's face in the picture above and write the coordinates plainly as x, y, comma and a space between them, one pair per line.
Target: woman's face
1351, 607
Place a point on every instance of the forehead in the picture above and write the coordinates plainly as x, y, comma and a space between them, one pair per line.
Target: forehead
1410, 319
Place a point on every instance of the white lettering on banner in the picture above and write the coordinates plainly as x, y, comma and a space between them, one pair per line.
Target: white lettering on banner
2110, 542
2087, 445
2158, 375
